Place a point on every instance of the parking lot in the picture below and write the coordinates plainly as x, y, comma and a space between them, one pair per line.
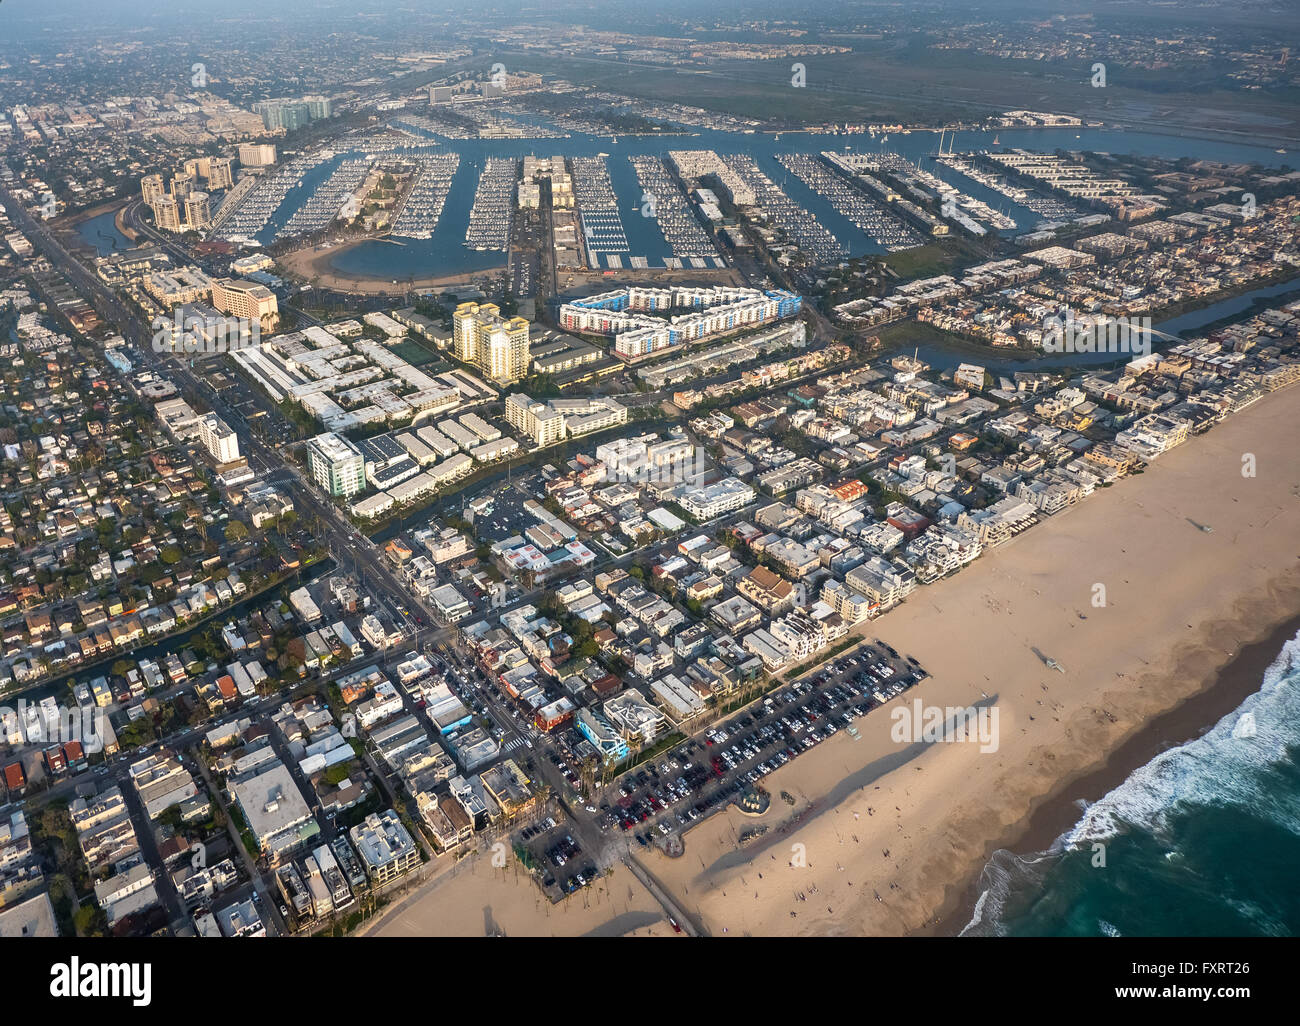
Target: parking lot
508, 516
703, 774
250, 405
562, 865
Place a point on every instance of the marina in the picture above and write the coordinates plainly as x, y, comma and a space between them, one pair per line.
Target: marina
1048, 208
602, 226
879, 224
419, 215
798, 224
671, 210
490, 217
445, 253
949, 196
335, 197
259, 206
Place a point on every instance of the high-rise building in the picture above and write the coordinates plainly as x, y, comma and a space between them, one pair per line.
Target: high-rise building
246, 299
196, 210
440, 94
289, 115
498, 347
503, 354
256, 154
182, 186
166, 214
319, 106
336, 464
151, 188
218, 438
220, 173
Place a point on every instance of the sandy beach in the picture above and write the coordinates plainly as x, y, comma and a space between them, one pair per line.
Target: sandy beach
889, 838
480, 901
315, 266
894, 835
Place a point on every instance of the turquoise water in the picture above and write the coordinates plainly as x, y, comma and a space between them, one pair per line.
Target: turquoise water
445, 253
1204, 840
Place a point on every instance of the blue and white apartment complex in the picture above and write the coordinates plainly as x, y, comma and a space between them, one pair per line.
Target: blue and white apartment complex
641, 322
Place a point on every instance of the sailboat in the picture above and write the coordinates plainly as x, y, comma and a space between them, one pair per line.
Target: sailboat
995, 140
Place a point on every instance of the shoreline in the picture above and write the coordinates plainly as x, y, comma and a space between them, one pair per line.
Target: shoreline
315, 267
1058, 812
912, 825
100, 208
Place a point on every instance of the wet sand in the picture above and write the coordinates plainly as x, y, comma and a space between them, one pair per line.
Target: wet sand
915, 823
1055, 817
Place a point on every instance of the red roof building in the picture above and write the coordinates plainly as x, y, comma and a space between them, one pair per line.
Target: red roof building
15, 778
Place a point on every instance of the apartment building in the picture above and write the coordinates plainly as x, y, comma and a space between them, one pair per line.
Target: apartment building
636, 719
275, 811
151, 188
386, 848
218, 438
256, 154
167, 214
336, 464
498, 347
248, 300
161, 782
713, 500
852, 607
104, 829
882, 582
220, 173
534, 419
769, 591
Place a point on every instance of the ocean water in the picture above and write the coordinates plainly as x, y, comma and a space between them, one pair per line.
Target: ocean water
1204, 840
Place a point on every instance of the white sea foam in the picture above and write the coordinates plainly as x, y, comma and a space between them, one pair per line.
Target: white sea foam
1216, 768
1221, 766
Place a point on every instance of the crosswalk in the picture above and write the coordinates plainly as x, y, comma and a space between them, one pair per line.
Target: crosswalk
514, 744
